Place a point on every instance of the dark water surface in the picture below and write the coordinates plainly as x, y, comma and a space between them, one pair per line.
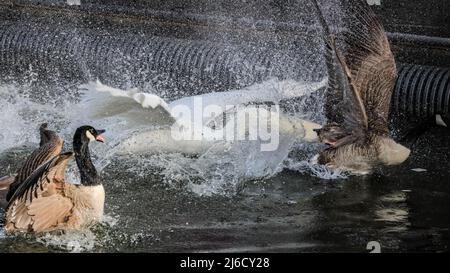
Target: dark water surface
404, 210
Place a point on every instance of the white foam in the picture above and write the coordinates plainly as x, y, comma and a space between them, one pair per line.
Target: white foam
76, 241
72, 241
309, 166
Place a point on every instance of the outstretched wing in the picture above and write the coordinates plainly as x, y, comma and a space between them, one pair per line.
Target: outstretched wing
362, 70
136, 108
47, 136
50, 146
40, 204
370, 61
344, 104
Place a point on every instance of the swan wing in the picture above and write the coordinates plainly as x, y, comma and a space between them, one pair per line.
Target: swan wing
134, 107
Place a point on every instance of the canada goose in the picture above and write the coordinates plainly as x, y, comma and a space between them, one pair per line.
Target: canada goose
50, 145
361, 81
46, 202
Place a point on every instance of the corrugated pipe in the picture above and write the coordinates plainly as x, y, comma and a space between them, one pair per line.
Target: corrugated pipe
421, 91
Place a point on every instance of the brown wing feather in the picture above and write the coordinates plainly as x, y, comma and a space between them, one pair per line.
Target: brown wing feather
369, 61
51, 146
40, 203
344, 105
357, 116
366, 62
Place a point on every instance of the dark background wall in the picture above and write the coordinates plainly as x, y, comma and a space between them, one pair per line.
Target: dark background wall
429, 19
424, 17
200, 45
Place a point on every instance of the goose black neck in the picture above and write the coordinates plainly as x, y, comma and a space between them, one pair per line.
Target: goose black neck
88, 173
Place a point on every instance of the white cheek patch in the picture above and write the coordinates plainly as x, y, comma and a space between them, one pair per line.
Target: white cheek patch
392, 153
90, 136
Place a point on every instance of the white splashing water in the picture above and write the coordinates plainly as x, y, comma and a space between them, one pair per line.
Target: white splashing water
77, 240
22, 116
14, 122
71, 241
308, 166
218, 170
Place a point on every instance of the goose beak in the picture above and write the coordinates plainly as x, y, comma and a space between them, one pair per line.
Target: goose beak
99, 137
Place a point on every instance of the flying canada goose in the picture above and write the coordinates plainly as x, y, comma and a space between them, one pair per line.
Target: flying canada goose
46, 202
361, 80
50, 145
